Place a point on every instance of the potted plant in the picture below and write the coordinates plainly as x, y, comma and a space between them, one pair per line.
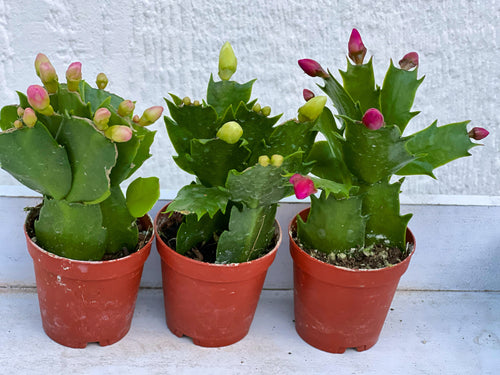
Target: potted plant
75, 144
352, 246
218, 237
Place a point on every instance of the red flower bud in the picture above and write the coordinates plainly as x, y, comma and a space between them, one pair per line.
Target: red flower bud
357, 49
303, 186
312, 68
410, 60
373, 119
478, 133
308, 94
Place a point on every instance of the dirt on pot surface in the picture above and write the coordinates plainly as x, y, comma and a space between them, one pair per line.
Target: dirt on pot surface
145, 234
168, 225
377, 256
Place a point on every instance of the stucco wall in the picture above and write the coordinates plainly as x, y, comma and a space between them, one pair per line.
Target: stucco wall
151, 48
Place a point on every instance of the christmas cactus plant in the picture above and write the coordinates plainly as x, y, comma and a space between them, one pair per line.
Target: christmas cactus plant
364, 148
240, 158
75, 144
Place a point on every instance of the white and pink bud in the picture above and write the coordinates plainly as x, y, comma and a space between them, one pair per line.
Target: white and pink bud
29, 117
18, 124
118, 133
150, 115
373, 119
40, 58
74, 76
312, 68
356, 48
409, 61
39, 99
48, 76
101, 118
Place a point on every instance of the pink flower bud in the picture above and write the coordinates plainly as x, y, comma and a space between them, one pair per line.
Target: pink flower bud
410, 60
118, 133
373, 119
38, 97
303, 186
18, 124
29, 117
357, 49
150, 115
48, 77
101, 81
74, 76
136, 119
126, 108
40, 58
308, 95
101, 118
478, 133
312, 68
20, 111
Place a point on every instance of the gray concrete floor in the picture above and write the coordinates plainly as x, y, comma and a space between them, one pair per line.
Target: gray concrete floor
426, 332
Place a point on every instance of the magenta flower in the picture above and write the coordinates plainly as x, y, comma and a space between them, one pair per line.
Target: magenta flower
478, 133
74, 75
303, 186
373, 119
410, 60
356, 48
307, 94
312, 68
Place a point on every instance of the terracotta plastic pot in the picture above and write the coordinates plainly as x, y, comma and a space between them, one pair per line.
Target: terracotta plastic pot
214, 304
336, 307
87, 301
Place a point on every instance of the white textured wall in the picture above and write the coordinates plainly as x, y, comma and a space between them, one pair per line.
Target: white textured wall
151, 48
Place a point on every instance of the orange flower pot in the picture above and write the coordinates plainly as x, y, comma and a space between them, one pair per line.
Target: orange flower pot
214, 304
338, 308
87, 301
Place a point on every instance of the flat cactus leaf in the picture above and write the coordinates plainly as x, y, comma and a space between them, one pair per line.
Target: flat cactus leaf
23, 99
71, 230
184, 162
290, 137
333, 225
33, 157
127, 152
250, 234
373, 155
193, 232
437, 146
71, 102
97, 96
91, 156
179, 136
199, 121
341, 99
8, 115
121, 227
146, 138
397, 96
222, 94
359, 82
331, 187
214, 158
385, 225
142, 194
200, 200
257, 185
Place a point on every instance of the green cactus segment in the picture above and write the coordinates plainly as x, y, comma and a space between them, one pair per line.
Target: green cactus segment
34, 158
194, 232
214, 158
200, 200
359, 82
71, 230
146, 138
91, 156
252, 186
142, 194
121, 226
341, 99
197, 121
340, 191
436, 146
251, 231
222, 94
291, 137
385, 225
179, 136
373, 155
69, 103
398, 93
96, 97
8, 115
127, 151
333, 225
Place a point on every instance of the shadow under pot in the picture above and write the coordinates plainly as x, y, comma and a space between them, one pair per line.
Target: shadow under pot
87, 301
214, 304
338, 308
